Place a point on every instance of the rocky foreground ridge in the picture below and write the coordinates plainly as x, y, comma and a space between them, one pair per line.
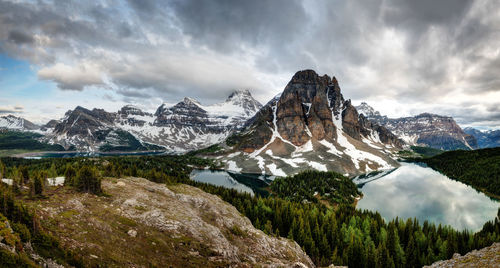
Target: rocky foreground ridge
486, 257
145, 224
311, 125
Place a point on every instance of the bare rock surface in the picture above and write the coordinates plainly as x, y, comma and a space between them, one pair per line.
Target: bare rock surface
143, 224
486, 257
310, 126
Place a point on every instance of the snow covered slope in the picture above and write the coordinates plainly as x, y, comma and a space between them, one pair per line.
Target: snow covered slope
310, 126
187, 125
425, 129
16, 123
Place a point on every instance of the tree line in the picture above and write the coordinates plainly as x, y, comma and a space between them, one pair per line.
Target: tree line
478, 168
340, 234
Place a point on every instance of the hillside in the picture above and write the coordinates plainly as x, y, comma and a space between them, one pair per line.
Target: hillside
144, 224
478, 168
132, 207
486, 257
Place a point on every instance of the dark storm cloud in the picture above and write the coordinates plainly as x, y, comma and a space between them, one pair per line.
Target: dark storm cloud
20, 38
410, 52
224, 25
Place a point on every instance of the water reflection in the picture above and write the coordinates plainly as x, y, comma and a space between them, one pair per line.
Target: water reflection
219, 178
416, 191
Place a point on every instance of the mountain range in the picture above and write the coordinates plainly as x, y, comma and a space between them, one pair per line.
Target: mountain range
432, 130
485, 138
309, 125
187, 125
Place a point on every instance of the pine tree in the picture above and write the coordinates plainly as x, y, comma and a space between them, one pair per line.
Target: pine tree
412, 253
37, 184
52, 173
24, 174
69, 175
87, 180
2, 170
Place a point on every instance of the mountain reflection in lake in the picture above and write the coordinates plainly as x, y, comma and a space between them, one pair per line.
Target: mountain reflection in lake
250, 183
416, 191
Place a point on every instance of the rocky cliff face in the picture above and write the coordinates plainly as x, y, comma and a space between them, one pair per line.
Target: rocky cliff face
187, 125
485, 139
311, 125
145, 224
425, 129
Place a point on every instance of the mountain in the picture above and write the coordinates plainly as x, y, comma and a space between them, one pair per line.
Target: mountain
187, 125
16, 123
310, 125
485, 139
436, 131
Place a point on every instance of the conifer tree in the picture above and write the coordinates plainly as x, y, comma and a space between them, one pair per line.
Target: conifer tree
69, 175
87, 180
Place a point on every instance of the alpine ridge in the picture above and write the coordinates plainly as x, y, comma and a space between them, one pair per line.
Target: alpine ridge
187, 125
436, 131
310, 125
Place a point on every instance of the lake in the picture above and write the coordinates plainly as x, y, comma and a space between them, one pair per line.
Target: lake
249, 183
414, 190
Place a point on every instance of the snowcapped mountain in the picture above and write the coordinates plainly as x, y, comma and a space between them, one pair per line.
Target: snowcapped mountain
425, 129
485, 138
16, 123
310, 125
187, 125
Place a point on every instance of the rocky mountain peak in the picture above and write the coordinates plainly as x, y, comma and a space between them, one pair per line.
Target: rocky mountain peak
130, 110
310, 77
17, 123
367, 110
425, 129
239, 94
243, 99
190, 101
310, 112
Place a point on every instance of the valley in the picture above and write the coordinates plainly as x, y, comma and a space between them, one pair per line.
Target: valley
306, 180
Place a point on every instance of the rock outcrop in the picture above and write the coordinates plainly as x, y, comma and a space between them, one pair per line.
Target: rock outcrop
145, 224
436, 131
486, 257
311, 118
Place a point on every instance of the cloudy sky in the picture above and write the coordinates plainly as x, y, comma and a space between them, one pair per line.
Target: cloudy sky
403, 57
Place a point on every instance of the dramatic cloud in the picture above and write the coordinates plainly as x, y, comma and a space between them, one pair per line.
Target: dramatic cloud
11, 109
403, 57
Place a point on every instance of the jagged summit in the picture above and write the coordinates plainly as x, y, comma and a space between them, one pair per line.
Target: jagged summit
238, 93
310, 125
17, 123
186, 125
367, 110
425, 129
